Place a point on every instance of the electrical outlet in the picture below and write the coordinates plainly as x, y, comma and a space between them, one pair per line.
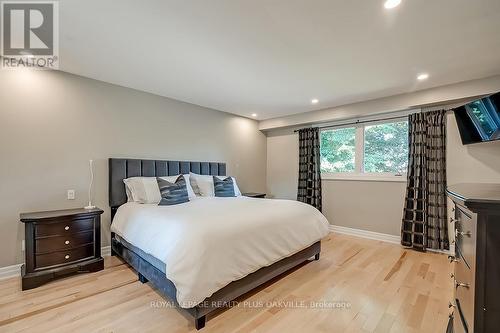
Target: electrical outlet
71, 194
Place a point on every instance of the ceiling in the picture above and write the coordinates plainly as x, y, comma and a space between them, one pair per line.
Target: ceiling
271, 57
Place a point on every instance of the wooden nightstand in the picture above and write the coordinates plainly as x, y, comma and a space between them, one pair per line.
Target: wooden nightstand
59, 243
254, 195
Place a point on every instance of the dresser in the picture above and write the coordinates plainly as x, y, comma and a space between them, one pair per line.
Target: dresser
59, 243
476, 276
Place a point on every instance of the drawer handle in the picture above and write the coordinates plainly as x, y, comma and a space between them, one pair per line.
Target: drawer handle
453, 259
66, 242
66, 256
453, 220
463, 285
66, 227
463, 233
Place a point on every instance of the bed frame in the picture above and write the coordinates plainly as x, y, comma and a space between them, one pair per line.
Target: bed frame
120, 169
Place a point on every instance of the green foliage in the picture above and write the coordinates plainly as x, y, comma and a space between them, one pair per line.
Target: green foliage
386, 147
338, 150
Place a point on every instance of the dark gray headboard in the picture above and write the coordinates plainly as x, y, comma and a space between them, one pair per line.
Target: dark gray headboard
122, 168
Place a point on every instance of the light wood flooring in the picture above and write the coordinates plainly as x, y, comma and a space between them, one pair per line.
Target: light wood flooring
386, 289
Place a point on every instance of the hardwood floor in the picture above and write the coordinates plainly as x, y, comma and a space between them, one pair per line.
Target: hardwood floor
383, 287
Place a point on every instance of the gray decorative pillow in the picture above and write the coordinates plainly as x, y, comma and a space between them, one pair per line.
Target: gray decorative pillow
224, 187
173, 193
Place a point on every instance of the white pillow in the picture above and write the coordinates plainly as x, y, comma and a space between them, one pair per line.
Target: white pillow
145, 190
205, 184
129, 193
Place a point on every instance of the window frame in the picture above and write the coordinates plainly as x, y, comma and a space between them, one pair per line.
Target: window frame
359, 140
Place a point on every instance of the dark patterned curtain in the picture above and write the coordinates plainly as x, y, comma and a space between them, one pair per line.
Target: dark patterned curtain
309, 190
424, 217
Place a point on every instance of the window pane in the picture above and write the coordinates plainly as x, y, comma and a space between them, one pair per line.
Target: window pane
338, 150
386, 147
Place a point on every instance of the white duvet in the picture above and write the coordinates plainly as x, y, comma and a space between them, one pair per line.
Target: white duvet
209, 242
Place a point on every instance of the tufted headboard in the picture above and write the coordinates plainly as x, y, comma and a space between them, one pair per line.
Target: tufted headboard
122, 168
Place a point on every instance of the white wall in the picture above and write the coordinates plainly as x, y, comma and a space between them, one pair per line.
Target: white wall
376, 206
52, 123
372, 206
478, 163
282, 165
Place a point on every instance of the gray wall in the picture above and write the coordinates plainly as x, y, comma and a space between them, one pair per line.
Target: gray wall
368, 205
52, 123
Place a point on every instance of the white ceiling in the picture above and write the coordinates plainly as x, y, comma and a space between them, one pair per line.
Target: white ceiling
271, 57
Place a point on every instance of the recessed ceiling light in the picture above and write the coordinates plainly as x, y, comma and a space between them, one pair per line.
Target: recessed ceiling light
389, 4
254, 115
423, 76
314, 101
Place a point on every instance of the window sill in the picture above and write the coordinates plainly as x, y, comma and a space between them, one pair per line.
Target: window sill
364, 177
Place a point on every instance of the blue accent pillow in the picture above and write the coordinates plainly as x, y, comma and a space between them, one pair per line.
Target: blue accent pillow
224, 187
173, 193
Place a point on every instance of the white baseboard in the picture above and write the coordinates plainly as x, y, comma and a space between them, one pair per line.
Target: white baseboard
15, 270
377, 236
366, 234
10, 271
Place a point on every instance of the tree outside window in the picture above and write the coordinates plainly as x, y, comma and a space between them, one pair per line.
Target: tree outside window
372, 149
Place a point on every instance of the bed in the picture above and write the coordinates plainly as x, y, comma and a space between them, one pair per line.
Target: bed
205, 253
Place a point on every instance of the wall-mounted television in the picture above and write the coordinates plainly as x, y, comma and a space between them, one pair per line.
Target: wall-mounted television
479, 121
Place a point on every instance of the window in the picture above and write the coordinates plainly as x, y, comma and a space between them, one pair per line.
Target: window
338, 150
386, 147
377, 151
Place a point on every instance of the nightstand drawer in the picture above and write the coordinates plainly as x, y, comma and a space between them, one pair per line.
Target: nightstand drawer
63, 228
64, 257
58, 243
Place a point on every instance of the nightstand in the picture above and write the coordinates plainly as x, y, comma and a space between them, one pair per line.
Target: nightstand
254, 195
59, 243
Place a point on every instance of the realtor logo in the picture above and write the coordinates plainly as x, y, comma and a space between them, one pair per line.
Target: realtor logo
29, 34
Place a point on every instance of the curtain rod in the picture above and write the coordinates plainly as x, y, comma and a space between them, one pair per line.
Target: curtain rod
354, 123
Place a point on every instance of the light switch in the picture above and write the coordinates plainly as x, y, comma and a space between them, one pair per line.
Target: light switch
71, 194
